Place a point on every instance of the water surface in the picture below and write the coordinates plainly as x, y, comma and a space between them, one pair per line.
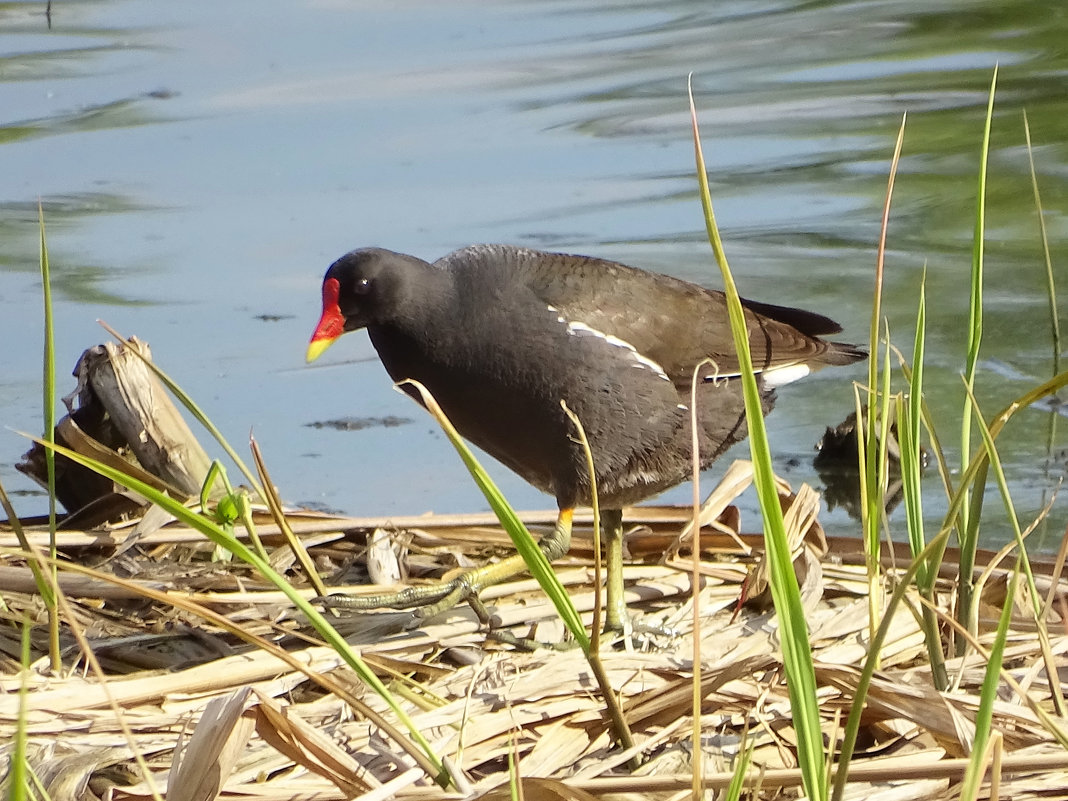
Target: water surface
200, 164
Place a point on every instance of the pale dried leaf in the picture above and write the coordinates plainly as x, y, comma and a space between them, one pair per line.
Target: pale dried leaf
282, 728
202, 765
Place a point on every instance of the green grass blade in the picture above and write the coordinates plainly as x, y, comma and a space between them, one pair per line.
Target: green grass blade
908, 428
696, 690
980, 461
534, 557
978, 466
741, 768
595, 638
18, 768
515, 792
49, 380
875, 478
1032, 589
984, 716
941, 463
221, 537
999, 477
971, 509
975, 306
1051, 284
797, 652
274, 503
877, 295
852, 727
871, 456
49, 415
525, 544
593, 653
927, 570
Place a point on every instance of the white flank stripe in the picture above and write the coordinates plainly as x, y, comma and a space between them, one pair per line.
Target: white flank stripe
581, 329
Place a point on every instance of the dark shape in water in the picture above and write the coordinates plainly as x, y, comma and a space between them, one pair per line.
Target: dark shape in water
360, 423
837, 463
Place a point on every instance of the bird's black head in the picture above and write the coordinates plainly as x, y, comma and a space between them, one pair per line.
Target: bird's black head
361, 288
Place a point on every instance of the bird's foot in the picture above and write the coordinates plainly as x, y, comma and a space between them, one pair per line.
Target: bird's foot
529, 644
426, 600
650, 630
433, 599
627, 629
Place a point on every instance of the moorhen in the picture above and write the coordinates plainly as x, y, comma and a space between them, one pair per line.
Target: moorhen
499, 335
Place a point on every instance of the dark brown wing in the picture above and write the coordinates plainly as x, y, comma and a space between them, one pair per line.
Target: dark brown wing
671, 322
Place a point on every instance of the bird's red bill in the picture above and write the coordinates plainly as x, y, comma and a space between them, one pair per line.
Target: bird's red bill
331, 323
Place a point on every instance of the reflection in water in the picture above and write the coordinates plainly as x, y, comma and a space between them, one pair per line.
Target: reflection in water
86, 283
42, 69
117, 114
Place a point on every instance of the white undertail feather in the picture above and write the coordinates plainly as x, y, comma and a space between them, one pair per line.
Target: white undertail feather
788, 373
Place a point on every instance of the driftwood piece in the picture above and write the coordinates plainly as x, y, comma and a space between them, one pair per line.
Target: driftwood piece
76, 486
120, 414
145, 416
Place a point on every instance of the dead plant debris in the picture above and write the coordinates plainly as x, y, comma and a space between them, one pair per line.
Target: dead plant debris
162, 617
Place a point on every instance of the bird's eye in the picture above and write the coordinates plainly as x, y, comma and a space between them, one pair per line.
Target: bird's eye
363, 286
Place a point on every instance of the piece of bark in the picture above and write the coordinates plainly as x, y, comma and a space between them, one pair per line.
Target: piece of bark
76, 486
142, 412
120, 414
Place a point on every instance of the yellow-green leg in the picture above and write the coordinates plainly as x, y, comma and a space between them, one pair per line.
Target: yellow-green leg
433, 599
615, 616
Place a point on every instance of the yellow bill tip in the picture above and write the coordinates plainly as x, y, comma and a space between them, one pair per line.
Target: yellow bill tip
317, 347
